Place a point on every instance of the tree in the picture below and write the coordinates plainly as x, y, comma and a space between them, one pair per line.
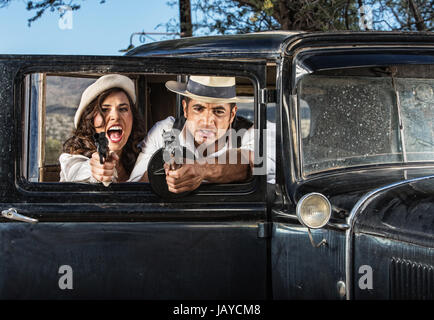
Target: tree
241, 16
255, 15
186, 26
405, 15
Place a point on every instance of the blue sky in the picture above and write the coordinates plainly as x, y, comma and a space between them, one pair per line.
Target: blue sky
97, 29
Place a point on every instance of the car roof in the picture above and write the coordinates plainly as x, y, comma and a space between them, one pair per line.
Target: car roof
270, 44
252, 45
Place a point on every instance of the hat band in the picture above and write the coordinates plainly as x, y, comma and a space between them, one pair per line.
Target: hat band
210, 92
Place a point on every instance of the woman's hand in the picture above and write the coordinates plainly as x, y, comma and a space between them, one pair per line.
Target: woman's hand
106, 172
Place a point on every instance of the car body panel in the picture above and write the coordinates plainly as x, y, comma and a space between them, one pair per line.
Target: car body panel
300, 271
400, 270
403, 214
133, 260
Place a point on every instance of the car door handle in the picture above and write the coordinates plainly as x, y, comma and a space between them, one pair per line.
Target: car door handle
12, 214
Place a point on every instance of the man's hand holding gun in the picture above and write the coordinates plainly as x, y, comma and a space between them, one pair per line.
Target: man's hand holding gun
180, 176
103, 162
169, 172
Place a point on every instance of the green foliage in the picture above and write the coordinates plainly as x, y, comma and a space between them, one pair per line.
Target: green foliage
53, 149
243, 16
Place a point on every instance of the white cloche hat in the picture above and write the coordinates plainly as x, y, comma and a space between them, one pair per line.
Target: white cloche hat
99, 86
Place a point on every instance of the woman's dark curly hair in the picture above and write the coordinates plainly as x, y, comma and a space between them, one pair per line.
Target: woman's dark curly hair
82, 140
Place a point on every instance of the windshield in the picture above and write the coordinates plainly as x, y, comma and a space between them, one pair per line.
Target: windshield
352, 117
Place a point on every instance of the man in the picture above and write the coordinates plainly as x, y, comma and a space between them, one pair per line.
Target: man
210, 109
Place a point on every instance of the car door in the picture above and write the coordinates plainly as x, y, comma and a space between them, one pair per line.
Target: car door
82, 241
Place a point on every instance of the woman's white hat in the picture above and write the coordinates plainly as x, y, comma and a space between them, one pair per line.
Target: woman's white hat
208, 89
99, 86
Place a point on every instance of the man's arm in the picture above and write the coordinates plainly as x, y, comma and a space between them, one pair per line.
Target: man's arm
144, 178
232, 166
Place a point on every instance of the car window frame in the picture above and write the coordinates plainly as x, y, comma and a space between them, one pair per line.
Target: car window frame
251, 190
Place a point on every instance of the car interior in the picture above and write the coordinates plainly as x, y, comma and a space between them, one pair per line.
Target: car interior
51, 99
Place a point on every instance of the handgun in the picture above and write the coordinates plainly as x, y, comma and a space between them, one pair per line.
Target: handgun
173, 153
101, 143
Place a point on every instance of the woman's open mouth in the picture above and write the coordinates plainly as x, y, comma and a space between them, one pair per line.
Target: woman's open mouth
115, 133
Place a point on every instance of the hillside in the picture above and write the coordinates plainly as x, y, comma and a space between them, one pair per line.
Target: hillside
62, 99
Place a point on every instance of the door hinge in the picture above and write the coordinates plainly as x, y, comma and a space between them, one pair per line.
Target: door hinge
268, 96
264, 229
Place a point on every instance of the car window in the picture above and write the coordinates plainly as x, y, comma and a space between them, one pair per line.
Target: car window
52, 100
353, 119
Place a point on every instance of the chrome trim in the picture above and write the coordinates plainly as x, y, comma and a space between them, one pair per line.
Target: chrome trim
381, 166
360, 205
42, 108
342, 290
300, 203
339, 226
12, 214
323, 242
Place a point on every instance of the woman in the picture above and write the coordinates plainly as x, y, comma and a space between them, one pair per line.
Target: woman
108, 105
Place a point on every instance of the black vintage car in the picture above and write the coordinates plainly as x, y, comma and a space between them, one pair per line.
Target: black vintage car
350, 214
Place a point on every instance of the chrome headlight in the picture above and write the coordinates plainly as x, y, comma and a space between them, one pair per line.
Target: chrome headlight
314, 210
